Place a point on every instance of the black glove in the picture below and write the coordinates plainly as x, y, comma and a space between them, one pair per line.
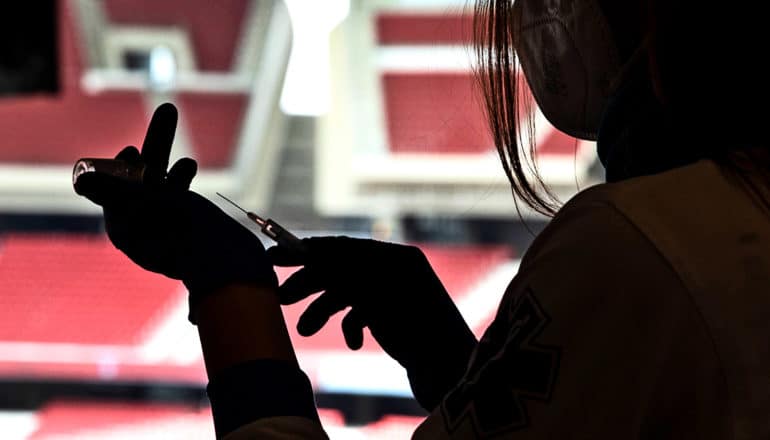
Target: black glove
393, 291
164, 227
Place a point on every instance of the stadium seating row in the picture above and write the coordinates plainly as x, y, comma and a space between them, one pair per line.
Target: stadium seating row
74, 306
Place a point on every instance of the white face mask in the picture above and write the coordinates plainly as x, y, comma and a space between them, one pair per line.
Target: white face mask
569, 58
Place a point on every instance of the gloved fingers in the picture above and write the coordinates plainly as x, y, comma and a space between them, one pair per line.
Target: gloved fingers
327, 248
299, 286
105, 190
318, 313
353, 329
129, 154
156, 147
180, 175
287, 257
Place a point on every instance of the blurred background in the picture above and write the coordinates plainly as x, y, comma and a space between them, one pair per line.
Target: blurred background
354, 117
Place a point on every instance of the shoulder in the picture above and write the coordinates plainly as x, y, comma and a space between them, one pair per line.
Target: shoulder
591, 223
635, 212
662, 189
593, 311
594, 258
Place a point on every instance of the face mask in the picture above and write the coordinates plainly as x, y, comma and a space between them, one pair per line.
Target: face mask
568, 56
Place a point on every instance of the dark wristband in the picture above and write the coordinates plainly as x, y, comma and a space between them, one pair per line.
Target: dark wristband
202, 287
257, 389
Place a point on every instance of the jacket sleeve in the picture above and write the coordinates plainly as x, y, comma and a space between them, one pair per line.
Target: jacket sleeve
279, 428
596, 337
266, 399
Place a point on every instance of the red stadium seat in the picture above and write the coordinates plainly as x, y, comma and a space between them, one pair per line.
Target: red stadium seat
104, 421
213, 123
434, 113
74, 306
57, 130
431, 111
392, 427
331, 417
214, 31
77, 290
423, 28
51, 130
459, 268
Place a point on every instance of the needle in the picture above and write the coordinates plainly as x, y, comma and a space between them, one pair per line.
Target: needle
257, 219
273, 230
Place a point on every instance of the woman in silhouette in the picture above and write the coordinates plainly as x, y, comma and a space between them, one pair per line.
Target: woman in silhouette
639, 312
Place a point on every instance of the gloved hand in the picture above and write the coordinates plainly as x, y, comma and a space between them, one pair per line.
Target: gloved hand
164, 227
392, 290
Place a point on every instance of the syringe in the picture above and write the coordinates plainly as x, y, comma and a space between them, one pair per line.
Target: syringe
273, 230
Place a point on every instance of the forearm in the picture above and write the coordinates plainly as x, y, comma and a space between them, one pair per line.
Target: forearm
253, 372
242, 323
434, 375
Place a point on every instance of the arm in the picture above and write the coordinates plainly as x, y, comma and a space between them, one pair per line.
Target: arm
596, 337
165, 228
241, 323
256, 387
391, 289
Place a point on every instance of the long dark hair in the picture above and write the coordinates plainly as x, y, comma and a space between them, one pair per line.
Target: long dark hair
507, 104
682, 55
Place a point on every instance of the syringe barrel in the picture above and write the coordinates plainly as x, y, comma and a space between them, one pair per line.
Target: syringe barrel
282, 236
256, 219
114, 167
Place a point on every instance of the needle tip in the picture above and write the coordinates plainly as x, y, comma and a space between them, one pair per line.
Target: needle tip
233, 203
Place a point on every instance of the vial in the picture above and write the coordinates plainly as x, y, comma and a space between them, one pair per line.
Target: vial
114, 167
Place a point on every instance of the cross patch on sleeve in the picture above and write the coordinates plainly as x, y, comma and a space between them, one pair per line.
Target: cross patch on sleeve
510, 368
